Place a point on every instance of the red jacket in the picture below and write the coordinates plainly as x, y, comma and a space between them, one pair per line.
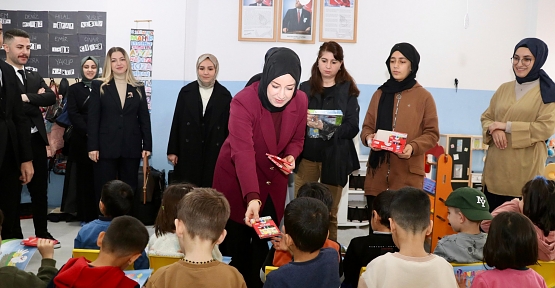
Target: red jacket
242, 165
77, 273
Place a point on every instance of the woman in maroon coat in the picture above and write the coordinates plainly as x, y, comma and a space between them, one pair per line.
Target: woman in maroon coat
268, 116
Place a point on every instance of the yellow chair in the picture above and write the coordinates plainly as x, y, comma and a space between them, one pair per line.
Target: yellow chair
547, 270
91, 255
362, 271
269, 269
157, 261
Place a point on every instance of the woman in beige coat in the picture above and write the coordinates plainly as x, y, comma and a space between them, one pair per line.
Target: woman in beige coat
401, 104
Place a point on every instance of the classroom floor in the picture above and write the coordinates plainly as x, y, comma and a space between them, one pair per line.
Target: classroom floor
66, 232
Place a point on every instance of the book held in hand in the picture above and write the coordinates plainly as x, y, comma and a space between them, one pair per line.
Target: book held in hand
266, 228
328, 117
389, 140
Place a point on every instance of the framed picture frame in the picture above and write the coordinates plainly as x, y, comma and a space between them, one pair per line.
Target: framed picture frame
297, 21
338, 21
257, 20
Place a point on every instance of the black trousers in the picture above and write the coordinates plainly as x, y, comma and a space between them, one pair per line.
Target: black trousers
124, 169
246, 249
10, 194
38, 187
495, 200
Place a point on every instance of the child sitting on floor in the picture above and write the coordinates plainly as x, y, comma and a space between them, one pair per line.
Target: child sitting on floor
412, 266
120, 246
116, 199
281, 256
305, 230
538, 204
364, 249
467, 207
200, 225
11, 276
510, 247
164, 242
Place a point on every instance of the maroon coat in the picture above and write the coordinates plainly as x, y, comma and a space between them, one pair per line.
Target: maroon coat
242, 165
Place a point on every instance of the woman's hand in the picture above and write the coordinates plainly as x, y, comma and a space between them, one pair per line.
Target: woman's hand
146, 153
407, 152
173, 159
369, 140
497, 126
251, 216
93, 155
312, 121
499, 138
291, 167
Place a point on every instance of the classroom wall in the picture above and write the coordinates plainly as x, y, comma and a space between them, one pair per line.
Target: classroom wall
477, 55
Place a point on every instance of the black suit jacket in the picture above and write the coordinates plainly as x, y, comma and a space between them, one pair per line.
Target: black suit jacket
32, 108
77, 112
114, 131
13, 123
291, 22
197, 139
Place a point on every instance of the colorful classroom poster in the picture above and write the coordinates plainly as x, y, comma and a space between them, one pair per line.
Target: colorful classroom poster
140, 55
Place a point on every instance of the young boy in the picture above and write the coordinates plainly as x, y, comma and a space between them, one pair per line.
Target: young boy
305, 230
281, 256
120, 246
364, 249
116, 200
11, 276
412, 266
200, 224
467, 208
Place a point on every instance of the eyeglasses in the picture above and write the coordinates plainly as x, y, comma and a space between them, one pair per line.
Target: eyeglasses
525, 61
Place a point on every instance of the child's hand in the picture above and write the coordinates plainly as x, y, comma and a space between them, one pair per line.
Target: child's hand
279, 245
461, 279
46, 248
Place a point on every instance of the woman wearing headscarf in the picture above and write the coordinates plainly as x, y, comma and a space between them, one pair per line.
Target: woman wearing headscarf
401, 104
199, 126
79, 193
268, 116
518, 121
331, 156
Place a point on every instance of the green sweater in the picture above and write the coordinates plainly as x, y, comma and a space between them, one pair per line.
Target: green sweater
13, 277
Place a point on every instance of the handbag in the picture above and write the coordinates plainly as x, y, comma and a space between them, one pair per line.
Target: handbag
53, 111
69, 128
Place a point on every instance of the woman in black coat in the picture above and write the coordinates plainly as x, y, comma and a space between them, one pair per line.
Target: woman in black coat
199, 126
118, 127
79, 193
331, 156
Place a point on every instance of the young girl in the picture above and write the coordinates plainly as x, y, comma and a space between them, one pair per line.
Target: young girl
538, 204
164, 241
510, 247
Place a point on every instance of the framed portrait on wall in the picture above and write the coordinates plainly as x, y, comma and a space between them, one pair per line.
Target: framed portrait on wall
297, 21
257, 20
338, 21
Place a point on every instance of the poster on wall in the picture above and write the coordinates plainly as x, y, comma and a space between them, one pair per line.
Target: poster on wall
256, 20
91, 22
59, 39
338, 21
296, 21
140, 56
62, 22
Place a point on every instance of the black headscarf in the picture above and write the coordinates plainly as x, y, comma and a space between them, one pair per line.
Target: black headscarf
384, 119
259, 75
539, 50
83, 78
281, 61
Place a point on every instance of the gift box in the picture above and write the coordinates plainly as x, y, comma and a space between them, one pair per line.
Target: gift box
390, 141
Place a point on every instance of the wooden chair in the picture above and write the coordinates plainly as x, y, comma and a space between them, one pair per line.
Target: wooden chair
91, 255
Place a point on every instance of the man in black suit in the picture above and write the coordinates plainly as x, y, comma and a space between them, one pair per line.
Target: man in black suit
15, 150
297, 20
35, 94
258, 3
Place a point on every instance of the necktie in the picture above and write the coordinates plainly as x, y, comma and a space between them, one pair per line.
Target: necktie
298, 16
23, 77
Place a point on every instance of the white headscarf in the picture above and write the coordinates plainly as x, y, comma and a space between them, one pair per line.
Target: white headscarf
216, 66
